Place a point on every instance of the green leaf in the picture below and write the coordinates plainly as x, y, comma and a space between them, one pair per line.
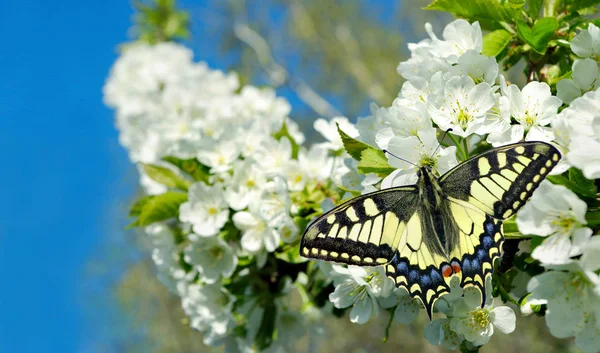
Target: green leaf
495, 42
283, 132
353, 192
165, 176
535, 242
577, 177
575, 5
584, 190
138, 206
291, 255
266, 330
195, 169
534, 7
540, 35
353, 146
474, 10
159, 208
374, 161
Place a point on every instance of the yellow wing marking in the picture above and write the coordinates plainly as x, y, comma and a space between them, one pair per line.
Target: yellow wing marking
370, 208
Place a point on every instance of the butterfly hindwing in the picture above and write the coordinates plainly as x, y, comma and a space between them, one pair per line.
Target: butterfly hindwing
479, 243
417, 267
501, 180
363, 231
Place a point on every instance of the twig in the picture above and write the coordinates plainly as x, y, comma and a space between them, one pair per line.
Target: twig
279, 75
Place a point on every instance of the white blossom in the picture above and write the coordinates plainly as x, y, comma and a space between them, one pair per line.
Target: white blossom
329, 130
209, 309
462, 105
586, 43
574, 309
533, 108
467, 320
359, 287
584, 114
420, 151
585, 78
213, 258
459, 36
479, 67
557, 213
206, 209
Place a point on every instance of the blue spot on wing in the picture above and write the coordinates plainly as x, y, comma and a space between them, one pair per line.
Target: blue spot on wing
489, 228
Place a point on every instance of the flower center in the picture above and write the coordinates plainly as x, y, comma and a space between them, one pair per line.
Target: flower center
359, 291
564, 222
428, 161
212, 211
183, 128
530, 119
481, 318
463, 116
250, 183
216, 252
298, 178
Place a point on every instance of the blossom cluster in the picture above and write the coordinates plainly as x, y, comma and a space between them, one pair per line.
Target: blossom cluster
450, 84
229, 189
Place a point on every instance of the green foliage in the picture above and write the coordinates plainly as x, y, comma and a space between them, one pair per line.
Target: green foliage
534, 7
157, 208
353, 146
486, 11
283, 132
266, 331
166, 177
540, 34
575, 5
136, 209
352, 192
495, 42
160, 21
576, 182
193, 168
374, 161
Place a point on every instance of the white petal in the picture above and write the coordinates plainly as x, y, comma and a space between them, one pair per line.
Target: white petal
588, 340
361, 312
538, 133
503, 318
553, 250
585, 72
244, 220
567, 90
590, 260
580, 241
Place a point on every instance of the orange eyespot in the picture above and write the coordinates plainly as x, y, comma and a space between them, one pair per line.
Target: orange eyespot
455, 267
447, 271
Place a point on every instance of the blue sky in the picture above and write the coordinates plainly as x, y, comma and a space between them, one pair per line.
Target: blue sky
62, 167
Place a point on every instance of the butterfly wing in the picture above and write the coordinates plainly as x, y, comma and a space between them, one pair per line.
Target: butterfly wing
382, 228
485, 190
365, 230
500, 181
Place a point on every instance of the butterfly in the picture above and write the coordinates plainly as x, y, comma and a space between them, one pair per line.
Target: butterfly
438, 229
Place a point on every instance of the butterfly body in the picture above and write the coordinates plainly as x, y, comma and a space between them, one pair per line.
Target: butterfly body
438, 229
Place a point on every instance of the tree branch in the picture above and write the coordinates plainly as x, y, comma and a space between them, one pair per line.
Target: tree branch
279, 75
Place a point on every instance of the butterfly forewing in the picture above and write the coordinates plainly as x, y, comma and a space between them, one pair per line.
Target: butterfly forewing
366, 230
501, 180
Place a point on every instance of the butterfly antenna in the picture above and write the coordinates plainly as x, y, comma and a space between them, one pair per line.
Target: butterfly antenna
402, 159
440, 144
